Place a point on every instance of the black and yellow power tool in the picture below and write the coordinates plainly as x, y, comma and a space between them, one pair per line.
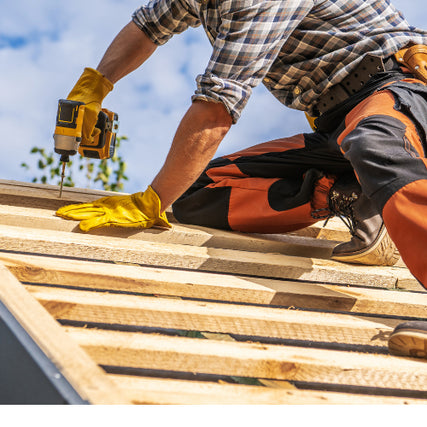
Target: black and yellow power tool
68, 134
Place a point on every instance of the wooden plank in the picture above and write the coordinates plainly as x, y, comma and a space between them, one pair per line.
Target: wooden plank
334, 230
75, 365
269, 322
315, 241
187, 235
33, 191
132, 278
47, 191
193, 284
198, 258
253, 360
161, 391
22, 190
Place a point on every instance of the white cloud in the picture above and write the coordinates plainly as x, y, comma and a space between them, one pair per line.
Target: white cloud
44, 46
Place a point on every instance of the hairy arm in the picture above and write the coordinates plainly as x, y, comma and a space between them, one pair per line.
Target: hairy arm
130, 48
197, 138
199, 133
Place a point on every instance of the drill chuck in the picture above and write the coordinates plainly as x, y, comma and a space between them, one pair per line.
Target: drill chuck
68, 130
66, 145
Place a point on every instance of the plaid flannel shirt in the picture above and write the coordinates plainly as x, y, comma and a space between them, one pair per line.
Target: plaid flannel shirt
297, 48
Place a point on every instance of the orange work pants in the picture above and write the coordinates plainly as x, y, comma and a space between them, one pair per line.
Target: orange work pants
283, 185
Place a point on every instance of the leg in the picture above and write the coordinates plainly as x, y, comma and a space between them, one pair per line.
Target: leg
384, 139
269, 188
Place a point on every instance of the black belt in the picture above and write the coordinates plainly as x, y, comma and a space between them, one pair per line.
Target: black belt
367, 68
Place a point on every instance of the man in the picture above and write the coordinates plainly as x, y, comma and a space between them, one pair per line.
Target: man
355, 65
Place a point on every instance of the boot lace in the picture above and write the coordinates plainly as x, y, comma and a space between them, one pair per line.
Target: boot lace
340, 205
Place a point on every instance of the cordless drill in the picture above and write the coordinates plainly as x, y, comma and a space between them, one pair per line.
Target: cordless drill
68, 134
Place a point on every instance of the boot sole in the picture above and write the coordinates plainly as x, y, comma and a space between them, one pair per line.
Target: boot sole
410, 343
382, 252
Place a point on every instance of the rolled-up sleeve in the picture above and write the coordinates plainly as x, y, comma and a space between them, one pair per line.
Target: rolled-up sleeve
250, 37
161, 19
246, 35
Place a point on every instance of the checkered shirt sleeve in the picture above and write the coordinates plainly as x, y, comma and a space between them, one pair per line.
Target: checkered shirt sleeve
297, 48
249, 35
161, 19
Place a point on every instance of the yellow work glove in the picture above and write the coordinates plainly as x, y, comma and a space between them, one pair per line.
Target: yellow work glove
91, 89
139, 210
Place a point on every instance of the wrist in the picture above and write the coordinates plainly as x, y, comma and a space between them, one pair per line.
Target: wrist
92, 86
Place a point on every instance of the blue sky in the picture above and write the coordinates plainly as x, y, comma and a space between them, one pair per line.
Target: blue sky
44, 46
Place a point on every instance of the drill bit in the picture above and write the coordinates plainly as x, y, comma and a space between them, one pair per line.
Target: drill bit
62, 179
64, 159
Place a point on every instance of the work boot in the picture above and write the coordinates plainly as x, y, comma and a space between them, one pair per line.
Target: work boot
370, 243
409, 339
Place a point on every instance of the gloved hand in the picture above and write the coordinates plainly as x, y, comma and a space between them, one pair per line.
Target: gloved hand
91, 88
139, 210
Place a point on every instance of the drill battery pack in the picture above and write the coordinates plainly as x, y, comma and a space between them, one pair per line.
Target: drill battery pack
104, 144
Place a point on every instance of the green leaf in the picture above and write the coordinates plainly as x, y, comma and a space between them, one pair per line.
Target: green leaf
109, 172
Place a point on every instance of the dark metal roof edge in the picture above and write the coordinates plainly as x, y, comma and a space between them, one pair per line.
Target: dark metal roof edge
27, 375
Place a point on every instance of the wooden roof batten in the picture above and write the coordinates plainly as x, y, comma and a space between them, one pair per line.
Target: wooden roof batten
194, 315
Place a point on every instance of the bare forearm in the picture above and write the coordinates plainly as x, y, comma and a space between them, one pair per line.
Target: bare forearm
127, 52
196, 141
200, 132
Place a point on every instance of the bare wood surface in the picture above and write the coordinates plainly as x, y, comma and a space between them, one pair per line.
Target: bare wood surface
334, 230
252, 360
80, 195
204, 264
199, 258
180, 392
180, 234
193, 284
134, 310
316, 241
75, 365
47, 191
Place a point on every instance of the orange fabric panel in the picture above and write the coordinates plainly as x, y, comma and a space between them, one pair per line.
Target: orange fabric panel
275, 146
320, 200
230, 171
405, 216
250, 211
263, 219
380, 103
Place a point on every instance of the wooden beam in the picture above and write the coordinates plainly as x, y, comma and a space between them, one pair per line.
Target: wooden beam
76, 366
316, 241
198, 258
17, 190
45, 219
253, 360
180, 392
47, 191
86, 306
193, 284
334, 230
